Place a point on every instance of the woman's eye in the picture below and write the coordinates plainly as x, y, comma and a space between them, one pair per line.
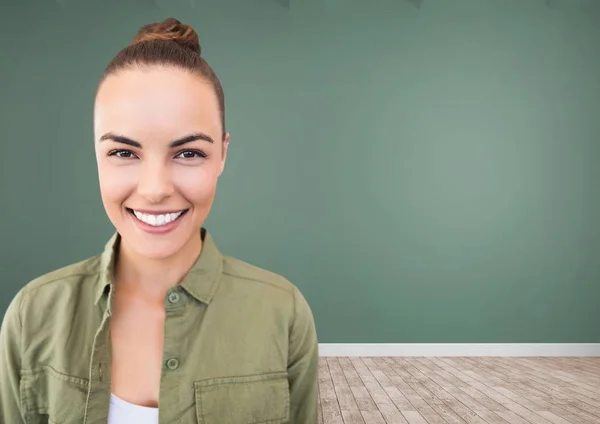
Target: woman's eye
124, 154
191, 154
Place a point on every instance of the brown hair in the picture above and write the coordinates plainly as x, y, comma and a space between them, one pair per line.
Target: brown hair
169, 43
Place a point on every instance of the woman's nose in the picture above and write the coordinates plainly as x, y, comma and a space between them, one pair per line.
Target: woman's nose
155, 183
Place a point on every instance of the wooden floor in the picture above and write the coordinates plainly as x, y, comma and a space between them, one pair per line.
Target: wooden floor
420, 390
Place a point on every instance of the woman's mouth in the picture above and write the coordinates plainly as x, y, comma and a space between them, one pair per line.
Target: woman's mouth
157, 219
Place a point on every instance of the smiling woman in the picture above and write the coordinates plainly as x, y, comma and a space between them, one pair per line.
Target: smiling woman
160, 323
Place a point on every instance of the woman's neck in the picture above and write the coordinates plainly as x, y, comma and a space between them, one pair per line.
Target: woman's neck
151, 278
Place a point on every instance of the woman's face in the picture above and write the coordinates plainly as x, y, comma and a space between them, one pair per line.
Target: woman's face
160, 151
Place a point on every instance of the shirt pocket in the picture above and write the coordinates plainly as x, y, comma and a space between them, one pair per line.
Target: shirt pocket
49, 396
253, 399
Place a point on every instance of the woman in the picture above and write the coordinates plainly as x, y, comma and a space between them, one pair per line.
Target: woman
160, 323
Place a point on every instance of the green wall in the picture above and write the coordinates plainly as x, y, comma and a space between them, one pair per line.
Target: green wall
422, 174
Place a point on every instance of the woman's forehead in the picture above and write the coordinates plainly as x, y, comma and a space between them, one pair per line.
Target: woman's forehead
156, 101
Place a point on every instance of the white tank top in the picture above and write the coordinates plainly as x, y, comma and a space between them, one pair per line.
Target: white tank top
122, 412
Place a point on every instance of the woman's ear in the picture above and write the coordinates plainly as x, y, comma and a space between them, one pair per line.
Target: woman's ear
226, 140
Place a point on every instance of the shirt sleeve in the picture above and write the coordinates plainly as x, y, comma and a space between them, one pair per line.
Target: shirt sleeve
10, 364
303, 364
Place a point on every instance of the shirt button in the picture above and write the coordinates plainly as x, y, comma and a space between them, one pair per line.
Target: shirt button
173, 297
173, 363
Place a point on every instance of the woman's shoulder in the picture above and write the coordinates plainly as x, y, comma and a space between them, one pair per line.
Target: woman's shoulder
248, 273
56, 292
52, 300
70, 274
265, 285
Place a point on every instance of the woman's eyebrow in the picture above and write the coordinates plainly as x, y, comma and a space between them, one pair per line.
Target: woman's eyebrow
126, 140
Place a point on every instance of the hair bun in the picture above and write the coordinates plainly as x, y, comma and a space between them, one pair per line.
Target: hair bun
169, 29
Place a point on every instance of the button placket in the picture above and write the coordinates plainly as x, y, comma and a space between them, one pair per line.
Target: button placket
175, 307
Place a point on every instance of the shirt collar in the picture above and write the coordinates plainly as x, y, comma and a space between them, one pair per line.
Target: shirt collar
201, 281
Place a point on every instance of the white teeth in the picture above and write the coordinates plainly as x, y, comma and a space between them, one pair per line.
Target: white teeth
157, 220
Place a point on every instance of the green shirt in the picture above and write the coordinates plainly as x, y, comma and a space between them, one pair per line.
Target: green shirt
240, 346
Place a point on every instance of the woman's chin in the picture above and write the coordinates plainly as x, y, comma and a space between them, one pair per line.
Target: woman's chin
155, 251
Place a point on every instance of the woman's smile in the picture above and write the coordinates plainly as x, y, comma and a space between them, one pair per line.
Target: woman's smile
157, 222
